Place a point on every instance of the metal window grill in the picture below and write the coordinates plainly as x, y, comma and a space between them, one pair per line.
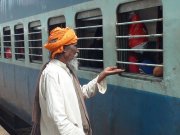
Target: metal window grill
140, 53
35, 42
90, 39
7, 42
19, 42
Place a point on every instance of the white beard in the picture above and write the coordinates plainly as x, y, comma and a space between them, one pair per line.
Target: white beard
74, 64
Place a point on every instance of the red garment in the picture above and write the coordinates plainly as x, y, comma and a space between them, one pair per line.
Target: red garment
132, 67
137, 29
8, 53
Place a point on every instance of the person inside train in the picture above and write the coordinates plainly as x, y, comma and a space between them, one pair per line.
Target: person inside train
59, 106
146, 57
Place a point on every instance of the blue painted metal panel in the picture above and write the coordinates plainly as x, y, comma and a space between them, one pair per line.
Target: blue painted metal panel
17, 89
123, 111
15, 9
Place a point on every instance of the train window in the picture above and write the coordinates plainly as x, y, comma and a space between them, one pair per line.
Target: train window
56, 22
7, 42
19, 42
140, 39
90, 39
35, 42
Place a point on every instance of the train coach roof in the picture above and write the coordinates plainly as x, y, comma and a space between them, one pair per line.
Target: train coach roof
12, 9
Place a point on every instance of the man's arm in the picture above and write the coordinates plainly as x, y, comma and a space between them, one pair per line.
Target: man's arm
99, 82
109, 71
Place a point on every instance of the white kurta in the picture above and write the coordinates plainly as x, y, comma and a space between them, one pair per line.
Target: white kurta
60, 113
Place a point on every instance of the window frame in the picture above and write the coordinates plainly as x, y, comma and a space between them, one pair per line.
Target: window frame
84, 22
17, 42
35, 30
7, 48
137, 6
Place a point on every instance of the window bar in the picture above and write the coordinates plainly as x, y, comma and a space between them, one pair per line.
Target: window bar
39, 32
90, 60
92, 18
140, 36
19, 34
34, 55
86, 27
143, 64
20, 53
142, 21
145, 50
19, 41
6, 35
7, 41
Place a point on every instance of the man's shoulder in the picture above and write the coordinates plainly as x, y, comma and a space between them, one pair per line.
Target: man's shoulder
53, 68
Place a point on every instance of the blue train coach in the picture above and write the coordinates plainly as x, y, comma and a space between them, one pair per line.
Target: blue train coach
141, 36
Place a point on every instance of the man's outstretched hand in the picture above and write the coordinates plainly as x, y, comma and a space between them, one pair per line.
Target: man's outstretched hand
109, 71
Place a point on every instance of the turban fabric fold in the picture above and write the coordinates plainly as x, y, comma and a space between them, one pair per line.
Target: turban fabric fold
59, 37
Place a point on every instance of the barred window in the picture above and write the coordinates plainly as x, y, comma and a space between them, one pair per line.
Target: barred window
90, 39
19, 42
140, 39
56, 22
7, 42
35, 42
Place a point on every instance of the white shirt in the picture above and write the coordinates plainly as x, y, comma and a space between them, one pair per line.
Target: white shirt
60, 113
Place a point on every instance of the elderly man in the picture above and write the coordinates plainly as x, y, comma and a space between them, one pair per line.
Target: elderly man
59, 105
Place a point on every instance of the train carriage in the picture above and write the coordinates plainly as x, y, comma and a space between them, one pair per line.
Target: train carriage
140, 36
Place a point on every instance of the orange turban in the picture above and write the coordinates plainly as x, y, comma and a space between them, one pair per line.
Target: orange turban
58, 38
